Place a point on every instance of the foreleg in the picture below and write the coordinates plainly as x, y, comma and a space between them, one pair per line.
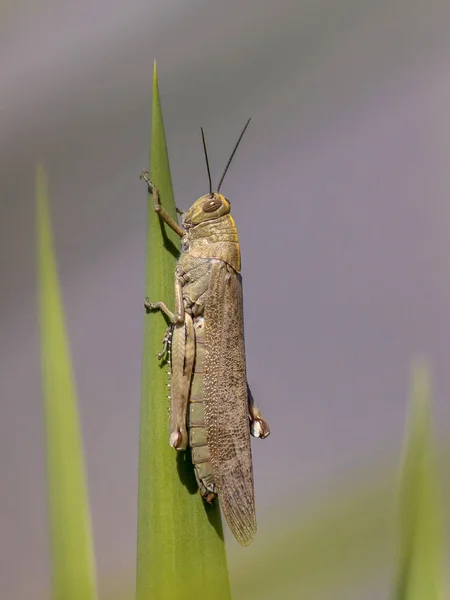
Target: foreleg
162, 213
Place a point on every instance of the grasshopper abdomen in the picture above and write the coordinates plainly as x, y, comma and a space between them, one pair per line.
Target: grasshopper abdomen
201, 457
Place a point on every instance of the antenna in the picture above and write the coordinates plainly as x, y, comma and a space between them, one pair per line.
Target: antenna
232, 154
207, 162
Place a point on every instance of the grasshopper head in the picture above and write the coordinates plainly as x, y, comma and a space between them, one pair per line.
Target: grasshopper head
208, 207
213, 205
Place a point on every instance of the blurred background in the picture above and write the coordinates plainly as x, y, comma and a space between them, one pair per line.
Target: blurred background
340, 193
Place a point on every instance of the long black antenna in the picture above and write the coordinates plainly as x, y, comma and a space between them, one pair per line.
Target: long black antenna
207, 162
232, 154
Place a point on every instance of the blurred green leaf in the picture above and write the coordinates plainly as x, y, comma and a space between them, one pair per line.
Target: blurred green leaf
181, 553
333, 543
340, 538
73, 572
346, 536
421, 567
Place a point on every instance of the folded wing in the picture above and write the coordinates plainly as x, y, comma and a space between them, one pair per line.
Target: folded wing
226, 401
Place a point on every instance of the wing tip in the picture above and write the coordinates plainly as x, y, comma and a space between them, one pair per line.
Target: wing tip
245, 538
243, 530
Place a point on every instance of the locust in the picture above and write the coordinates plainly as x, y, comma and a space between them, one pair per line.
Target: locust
212, 408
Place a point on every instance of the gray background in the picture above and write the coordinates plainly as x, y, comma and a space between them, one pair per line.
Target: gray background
339, 190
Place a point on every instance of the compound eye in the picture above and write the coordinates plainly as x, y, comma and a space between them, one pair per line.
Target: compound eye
211, 205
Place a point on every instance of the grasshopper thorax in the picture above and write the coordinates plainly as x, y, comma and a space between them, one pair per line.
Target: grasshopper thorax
207, 208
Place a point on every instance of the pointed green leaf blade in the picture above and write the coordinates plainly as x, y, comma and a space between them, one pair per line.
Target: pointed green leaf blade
73, 572
421, 569
181, 552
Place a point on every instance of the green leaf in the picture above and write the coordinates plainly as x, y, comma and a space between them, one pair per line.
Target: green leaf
181, 552
421, 566
73, 572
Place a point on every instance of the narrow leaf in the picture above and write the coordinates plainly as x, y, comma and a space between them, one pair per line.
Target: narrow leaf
421, 569
73, 572
181, 552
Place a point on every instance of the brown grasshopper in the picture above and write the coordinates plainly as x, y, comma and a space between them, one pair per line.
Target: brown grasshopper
212, 408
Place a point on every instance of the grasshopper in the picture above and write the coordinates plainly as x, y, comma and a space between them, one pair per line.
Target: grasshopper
212, 408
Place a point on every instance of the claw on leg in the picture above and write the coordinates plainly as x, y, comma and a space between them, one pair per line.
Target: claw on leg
162, 307
166, 343
146, 177
148, 305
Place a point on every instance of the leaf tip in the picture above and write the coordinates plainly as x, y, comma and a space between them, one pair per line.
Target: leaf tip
41, 182
421, 384
42, 209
